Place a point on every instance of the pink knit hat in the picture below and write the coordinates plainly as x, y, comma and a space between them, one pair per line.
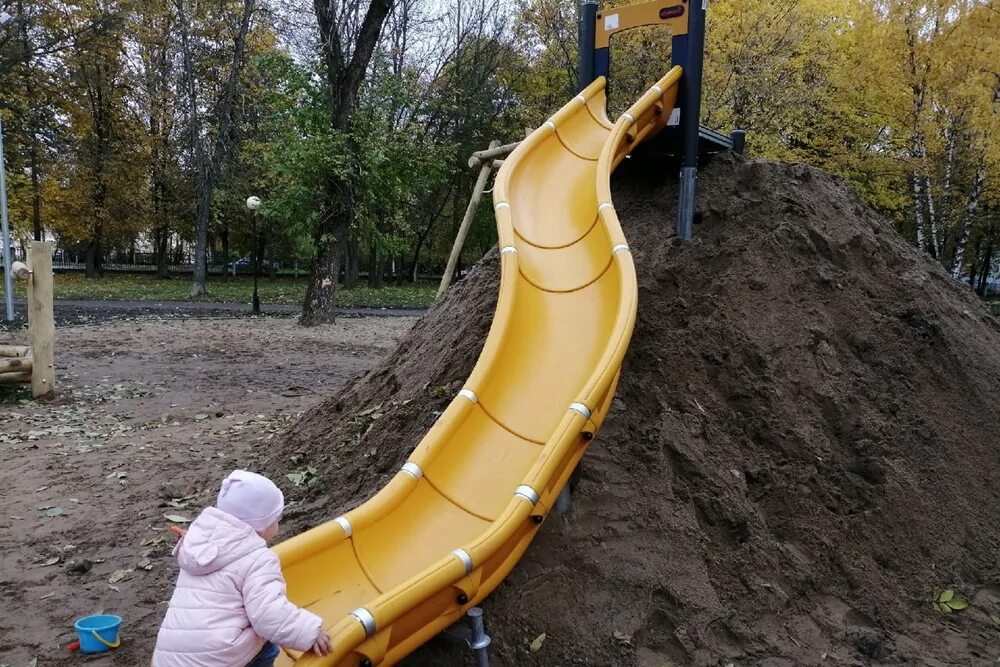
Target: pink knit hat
251, 498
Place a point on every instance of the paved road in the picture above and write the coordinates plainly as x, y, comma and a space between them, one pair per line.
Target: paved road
72, 311
201, 306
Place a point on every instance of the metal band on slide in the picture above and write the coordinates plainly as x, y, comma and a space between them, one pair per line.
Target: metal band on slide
366, 619
629, 117
345, 524
463, 555
550, 123
508, 250
412, 469
469, 394
502, 204
605, 205
581, 408
527, 493
657, 88
621, 247
581, 98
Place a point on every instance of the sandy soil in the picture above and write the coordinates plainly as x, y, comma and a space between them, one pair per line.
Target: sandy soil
803, 448
152, 413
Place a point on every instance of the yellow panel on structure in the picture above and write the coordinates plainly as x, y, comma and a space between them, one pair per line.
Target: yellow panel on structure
388, 576
672, 13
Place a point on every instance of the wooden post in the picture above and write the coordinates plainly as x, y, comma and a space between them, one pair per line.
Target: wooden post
463, 230
41, 323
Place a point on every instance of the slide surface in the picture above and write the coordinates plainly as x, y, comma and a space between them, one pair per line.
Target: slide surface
443, 533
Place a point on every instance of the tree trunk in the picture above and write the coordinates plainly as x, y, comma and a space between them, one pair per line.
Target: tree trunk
974, 267
268, 242
344, 76
376, 269
36, 192
94, 255
986, 266
162, 250
928, 198
31, 118
352, 264
970, 213
917, 181
320, 303
225, 253
932, 218
208, 160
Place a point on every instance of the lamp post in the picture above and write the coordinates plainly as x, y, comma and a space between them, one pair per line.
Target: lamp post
253, 203
8, 278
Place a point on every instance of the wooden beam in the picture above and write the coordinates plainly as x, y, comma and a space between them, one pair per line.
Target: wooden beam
14, 350
15, 378
41, 323
12, 364
495, 150
20, 271
470, 215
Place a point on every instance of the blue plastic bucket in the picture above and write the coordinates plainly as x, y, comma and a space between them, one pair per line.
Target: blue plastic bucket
98, 633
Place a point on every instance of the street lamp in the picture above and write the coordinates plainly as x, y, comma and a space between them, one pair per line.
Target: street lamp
253, 203
8, 278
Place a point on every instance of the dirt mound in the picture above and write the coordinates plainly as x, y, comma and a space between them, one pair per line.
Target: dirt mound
803, 448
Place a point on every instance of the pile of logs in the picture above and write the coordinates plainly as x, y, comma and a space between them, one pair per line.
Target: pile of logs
34, 363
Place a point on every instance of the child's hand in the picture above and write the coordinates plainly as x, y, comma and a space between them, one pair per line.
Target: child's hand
323, 645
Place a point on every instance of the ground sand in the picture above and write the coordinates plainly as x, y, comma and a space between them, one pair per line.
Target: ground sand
804, 446
149, 410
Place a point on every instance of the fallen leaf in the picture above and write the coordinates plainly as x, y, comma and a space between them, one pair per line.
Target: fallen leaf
144, 564
51, 561
176, 518
54, 511
114, 588
536, 645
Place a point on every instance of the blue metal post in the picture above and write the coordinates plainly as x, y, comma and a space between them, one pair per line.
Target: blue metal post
588, 29
691, 117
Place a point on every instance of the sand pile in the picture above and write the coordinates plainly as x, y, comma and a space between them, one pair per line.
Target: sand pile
805, 444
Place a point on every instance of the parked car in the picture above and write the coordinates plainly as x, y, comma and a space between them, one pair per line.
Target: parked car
245, 264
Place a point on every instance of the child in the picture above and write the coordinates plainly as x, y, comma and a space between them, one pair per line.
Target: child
229, 607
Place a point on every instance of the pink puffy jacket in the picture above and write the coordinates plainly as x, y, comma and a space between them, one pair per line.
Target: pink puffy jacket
229, 599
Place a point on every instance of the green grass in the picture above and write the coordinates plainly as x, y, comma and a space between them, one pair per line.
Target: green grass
124, 287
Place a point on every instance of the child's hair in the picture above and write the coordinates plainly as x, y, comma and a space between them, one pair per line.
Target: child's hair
251, 498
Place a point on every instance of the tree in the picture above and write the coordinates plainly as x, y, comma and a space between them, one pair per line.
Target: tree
347, 45
210, 135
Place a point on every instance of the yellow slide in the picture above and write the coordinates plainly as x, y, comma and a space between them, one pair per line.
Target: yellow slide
445, 531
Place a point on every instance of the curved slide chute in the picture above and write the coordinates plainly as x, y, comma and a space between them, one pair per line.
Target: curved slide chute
444, 532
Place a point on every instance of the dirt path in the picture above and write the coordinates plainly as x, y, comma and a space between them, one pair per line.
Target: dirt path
152, 413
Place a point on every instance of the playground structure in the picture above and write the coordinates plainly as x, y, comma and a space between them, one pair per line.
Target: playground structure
444, 532
34, 363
